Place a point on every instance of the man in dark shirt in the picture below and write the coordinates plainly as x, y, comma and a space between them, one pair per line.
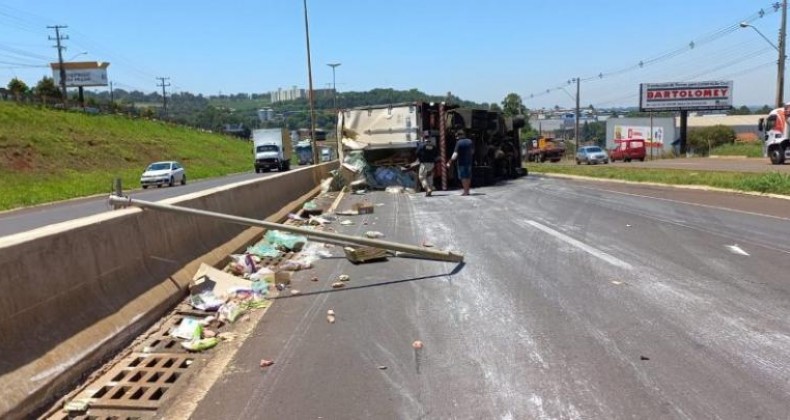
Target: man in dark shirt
464, 153
426, 156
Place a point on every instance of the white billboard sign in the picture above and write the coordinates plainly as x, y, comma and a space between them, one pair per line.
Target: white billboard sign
82, 74
682, 96
638, 132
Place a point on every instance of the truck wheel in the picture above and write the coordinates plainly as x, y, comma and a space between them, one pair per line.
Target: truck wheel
257, 170
641, 159
578, 162
777, 155
172, 182
184, 180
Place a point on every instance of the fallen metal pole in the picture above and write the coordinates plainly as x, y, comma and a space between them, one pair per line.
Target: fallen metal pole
311, 234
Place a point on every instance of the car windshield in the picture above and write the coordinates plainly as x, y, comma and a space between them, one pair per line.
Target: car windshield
266, 148
161, 166
593, 149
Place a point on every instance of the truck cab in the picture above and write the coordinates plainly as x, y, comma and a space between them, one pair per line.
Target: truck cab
774, 133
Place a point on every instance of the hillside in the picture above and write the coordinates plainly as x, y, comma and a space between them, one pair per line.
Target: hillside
50, 155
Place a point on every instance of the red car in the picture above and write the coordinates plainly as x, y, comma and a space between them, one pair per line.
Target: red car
627, 150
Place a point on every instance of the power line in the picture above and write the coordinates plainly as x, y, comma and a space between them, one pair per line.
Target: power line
668, 55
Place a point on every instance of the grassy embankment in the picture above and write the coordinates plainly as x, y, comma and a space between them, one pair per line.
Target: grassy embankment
48, 155
767, 182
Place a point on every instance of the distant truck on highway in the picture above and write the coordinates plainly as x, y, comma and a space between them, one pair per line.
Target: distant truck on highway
545, 148
775, 135
272, 150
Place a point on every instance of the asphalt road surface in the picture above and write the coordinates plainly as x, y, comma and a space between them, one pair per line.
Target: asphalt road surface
577, 300
25, 219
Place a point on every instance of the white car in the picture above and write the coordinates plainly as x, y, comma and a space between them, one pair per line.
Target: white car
163, 173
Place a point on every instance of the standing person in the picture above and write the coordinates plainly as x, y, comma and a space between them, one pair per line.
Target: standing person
426, 155
464, 153
426, 159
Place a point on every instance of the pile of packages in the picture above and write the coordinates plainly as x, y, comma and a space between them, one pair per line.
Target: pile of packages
357, 173
243, 286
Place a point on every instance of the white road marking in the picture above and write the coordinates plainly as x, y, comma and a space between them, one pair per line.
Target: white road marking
581, 245
735, 249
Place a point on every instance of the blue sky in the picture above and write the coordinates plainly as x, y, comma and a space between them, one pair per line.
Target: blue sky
478, 50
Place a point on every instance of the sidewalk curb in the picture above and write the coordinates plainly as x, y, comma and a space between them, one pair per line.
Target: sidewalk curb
658, 184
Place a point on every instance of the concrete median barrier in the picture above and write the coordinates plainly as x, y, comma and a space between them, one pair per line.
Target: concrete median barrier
71, 293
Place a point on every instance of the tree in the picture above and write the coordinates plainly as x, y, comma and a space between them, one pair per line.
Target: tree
17, 88
743, 110
495, 107
46, 89
512, 105
765, 109
707, 138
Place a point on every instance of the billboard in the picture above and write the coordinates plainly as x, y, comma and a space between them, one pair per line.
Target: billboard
86, 73
638, 132
685, 96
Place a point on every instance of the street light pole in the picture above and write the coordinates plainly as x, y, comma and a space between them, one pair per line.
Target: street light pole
780, 67
334, 88
310, 80
780, 64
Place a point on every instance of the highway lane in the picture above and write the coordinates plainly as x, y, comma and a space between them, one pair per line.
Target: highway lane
725, 164
577, 300
25, 219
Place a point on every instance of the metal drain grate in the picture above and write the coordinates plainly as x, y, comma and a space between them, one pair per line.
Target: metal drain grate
139, 382
161, 341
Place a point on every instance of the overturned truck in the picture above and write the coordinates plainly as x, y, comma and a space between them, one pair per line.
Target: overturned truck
376, 141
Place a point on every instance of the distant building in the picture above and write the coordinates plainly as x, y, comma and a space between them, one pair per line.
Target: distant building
282, 95
266, 114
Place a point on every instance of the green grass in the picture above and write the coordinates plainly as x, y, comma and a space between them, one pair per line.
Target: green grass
739, 149
768, 182
49, 155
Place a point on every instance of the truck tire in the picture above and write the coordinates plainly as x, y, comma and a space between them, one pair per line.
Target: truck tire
257, 170
777, 155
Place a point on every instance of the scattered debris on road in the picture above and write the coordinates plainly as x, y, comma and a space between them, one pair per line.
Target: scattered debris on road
374, 234
337, 285
417, 345
266, 363
364, 254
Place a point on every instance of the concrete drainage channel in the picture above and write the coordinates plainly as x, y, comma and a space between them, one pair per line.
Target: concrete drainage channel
138, 383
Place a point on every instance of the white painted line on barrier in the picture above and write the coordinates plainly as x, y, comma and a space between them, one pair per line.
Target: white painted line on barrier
735, 249
581, 245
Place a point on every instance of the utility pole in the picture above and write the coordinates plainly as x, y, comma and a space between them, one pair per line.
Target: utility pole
780, 76
576, 133
58, 37
310, 80
112, 98
163, 84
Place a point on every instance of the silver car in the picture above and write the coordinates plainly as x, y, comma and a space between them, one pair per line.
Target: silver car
591, 155
163, 173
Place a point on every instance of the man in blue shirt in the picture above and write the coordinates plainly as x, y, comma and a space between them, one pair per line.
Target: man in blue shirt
464, 153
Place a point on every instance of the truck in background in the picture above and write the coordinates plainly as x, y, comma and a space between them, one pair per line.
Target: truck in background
387, 136
545, 148
271, 149
775, 135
